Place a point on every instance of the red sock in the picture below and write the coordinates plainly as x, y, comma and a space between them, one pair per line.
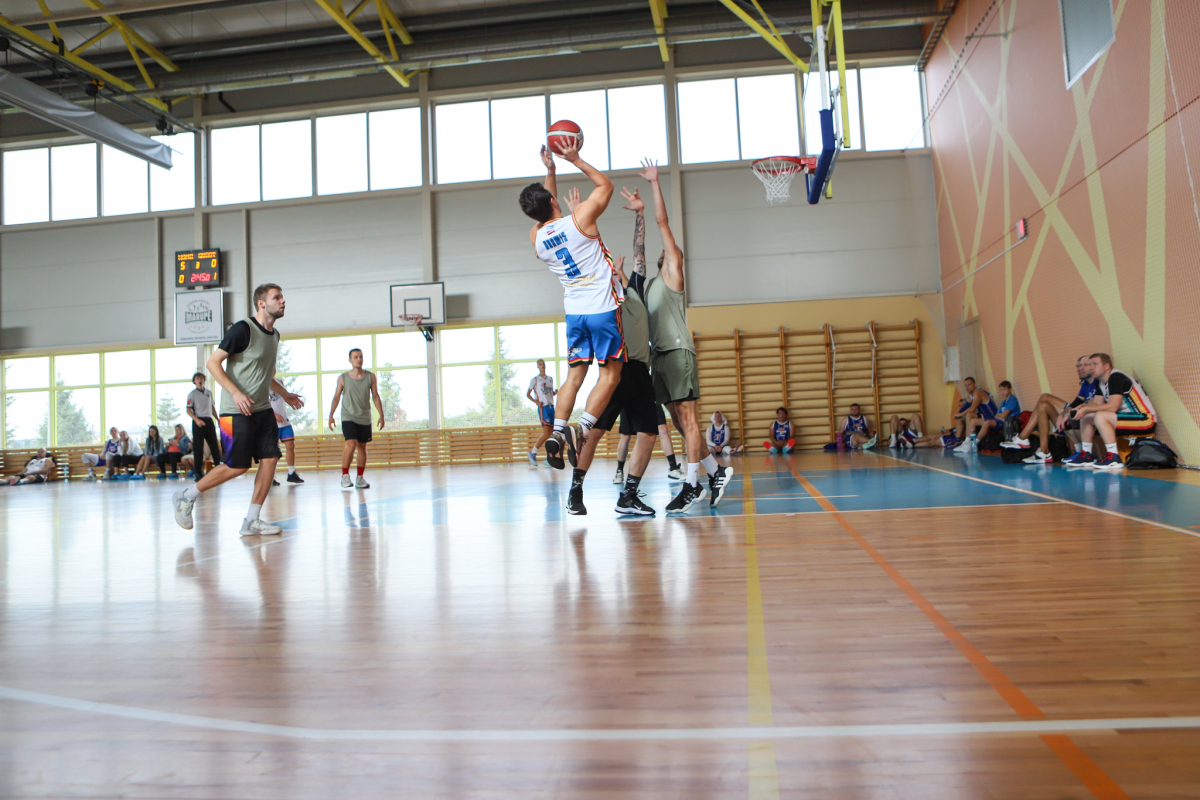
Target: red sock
360, 471
345, 470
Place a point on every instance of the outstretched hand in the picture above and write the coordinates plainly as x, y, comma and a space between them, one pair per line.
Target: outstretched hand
566, 148
634, 199
618, 263
649, 170
572, 198
547, 159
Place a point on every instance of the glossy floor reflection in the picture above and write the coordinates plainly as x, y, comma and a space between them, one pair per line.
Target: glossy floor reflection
453, 633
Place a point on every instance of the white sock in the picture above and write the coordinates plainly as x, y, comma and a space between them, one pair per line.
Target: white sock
191, 493
586, 421
1087, 448
252, 514
1112, 448
560, 425
291, 470
710, 464
1078, 448
693, 473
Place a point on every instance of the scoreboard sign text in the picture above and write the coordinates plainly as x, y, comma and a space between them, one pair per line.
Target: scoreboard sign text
199, 317
197, 268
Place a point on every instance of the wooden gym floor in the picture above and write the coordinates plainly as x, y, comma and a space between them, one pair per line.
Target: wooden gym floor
849, 625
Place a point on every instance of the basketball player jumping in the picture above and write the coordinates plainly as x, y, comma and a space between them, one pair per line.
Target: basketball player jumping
571, 247
673, 358
244, 366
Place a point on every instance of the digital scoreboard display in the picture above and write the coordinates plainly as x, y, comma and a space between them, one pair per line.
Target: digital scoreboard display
197, 268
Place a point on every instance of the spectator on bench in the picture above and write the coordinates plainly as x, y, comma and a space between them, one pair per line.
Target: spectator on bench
1050, 407
1120, 407
38, 469
129, 454
177, 445
718, 439
1009, 408
103, 458
976, 404
155, 446
780, 439
856, 432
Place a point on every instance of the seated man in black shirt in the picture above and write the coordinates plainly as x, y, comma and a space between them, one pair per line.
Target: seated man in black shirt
1120, 407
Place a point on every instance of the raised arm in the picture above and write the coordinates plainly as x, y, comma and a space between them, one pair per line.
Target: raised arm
551, 182
637, 206
672, 268
589, 211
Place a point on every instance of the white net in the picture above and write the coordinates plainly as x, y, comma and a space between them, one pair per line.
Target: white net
412, 320
776, 174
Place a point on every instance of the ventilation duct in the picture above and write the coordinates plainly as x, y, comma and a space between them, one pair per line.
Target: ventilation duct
46, 105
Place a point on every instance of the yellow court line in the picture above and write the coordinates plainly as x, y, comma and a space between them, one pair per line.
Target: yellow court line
764, 772
1094, 778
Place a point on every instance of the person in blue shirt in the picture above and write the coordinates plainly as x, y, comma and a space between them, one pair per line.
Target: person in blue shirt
1008, 408
1051, 413
781, 439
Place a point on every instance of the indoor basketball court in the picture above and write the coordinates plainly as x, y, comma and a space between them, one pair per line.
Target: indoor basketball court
299, 494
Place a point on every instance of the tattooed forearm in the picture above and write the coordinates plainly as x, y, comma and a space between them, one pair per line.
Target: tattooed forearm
639, 244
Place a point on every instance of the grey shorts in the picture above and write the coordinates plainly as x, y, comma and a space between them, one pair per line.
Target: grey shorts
675, 376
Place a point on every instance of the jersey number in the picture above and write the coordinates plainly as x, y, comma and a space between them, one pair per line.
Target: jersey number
564, 255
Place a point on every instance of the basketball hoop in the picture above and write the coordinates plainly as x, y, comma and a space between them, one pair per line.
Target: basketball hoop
777, 172
413, 322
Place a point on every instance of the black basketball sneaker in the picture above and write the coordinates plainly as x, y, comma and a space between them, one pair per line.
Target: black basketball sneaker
575, 501
630, 502
687, 497
718, 484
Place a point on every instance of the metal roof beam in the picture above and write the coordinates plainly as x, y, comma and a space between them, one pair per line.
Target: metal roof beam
333, 9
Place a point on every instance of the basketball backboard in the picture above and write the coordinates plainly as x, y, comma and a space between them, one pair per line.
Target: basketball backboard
426, 299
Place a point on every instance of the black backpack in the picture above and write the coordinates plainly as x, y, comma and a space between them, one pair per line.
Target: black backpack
1151, 454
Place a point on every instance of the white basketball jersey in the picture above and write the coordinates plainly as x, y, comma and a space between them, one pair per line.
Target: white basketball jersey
583, 265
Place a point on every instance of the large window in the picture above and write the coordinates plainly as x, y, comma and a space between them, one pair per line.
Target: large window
73, 181
738, 118
26, 186
892, 113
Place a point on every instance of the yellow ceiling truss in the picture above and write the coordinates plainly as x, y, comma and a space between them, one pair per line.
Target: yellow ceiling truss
658, 10
391, 25
771, 36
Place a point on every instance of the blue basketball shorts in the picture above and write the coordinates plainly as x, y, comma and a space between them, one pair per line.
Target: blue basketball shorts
595, 336
286, 433
547, 415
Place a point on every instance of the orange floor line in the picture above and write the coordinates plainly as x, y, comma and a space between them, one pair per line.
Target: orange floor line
1094, 778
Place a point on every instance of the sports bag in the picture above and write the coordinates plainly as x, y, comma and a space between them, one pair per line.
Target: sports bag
1151, 454
1015, 455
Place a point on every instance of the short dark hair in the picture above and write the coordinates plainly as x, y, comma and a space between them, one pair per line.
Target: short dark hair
969, 378
1005, 385
352, 351
1105, 358
199, 375
855, 405
781, 408
535, 202
261, 292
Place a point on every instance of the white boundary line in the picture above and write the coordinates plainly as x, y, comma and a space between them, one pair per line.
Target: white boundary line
613, 734
1044, 496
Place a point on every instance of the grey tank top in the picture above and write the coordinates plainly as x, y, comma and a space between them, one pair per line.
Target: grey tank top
668, 317
356, 399
635, 327
252, 370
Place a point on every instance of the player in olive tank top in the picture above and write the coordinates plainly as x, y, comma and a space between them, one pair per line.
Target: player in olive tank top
356, 389
244, 366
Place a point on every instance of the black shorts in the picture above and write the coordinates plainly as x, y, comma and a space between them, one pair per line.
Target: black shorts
627, 428
356, 431
633, 399
255, 437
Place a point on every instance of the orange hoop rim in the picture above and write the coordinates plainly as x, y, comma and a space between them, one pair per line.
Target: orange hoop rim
794, 163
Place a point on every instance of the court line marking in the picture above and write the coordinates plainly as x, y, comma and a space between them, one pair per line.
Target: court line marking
762, 764
1050, 497
1073, 757
757, 733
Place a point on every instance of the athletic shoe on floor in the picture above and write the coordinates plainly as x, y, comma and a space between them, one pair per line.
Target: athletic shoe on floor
1107, 461
630, 502
347, 483
675, 474
965, 447
950, 441
619, 478
787, 448
259, 528
575, 501
1016, 443
294, 477
361, 483
556, 445
1080, 459
770, 447
137, 478
174, 476
532, 456
718, 484
874, 440
91, 476
274, 482
892, 444
183, 510
688, 496
1039, 458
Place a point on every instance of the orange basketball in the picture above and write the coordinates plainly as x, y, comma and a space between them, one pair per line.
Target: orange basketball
563, 132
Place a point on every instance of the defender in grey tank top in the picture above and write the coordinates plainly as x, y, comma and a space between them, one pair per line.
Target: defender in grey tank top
356, 398
252, 369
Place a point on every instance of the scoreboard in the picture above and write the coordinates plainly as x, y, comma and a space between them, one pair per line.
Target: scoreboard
197, 268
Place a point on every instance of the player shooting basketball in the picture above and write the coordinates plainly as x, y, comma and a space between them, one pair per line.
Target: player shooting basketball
571, 247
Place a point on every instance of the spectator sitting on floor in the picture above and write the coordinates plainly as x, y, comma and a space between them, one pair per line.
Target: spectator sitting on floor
1050, 407
129, 454
1009, 407
154, 447
856, 432
907, 433
718, 438
38, 469
177, 445
781, 439
103, 458
1120, 407
976, 403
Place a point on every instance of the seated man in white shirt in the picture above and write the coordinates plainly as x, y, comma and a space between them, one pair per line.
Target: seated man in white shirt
38, 469
718, 438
